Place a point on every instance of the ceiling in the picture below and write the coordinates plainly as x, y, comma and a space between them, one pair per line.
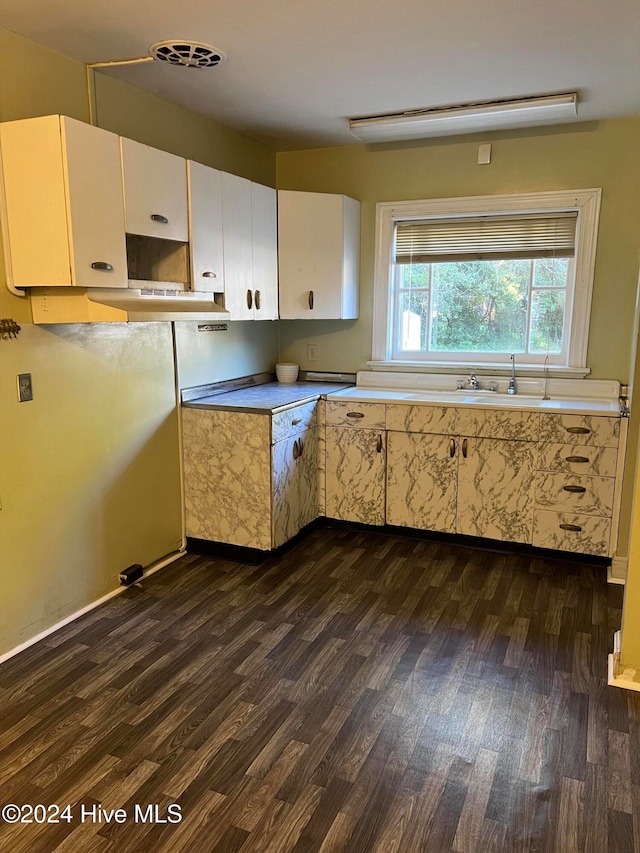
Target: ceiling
297, 70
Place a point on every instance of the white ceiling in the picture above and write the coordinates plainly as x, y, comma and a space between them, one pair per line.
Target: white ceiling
297, 70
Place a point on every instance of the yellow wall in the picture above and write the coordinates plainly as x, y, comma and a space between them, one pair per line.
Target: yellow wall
89, 471
603, 154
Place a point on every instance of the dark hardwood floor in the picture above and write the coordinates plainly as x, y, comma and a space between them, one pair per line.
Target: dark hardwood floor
361, 692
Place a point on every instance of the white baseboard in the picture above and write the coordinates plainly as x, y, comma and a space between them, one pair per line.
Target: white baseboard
616, 678
153, 568
617, 571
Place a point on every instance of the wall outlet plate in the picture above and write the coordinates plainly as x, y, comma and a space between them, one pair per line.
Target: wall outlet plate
25, 388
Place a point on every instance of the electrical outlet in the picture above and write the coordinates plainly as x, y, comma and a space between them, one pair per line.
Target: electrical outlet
25, 388
312, 352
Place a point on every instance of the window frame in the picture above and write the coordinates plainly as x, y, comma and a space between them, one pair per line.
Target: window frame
585, 202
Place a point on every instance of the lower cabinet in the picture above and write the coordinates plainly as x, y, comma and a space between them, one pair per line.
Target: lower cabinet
496, 479
294, 465
355, 474
461, 484
250, 479
422, 481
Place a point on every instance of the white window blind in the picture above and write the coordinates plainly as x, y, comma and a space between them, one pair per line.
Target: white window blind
486, 238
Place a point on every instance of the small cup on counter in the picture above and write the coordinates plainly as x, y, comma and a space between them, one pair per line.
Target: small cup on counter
287, 373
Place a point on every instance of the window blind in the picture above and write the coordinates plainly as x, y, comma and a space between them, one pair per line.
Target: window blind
486, 238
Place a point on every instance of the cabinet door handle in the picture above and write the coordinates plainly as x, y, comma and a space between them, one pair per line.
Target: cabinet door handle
576, 458
452, 447
209, 274
464, 447
101, 265
300, 447
249, 299
311, 300
578, 430
355, 415
296, 421
296, 450
574, 528
257, 299
578, 490
158, 217
379, 443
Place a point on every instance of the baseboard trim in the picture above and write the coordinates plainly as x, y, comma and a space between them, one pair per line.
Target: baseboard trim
151, 570
617, 571
616, 678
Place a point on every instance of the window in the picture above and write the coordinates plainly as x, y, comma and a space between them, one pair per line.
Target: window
470, 281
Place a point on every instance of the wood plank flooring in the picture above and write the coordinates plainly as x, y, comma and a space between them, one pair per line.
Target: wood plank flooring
362, 692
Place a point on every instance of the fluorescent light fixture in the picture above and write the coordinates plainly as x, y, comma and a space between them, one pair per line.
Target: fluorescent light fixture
468, 118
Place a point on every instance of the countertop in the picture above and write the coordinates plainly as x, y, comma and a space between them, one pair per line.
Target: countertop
269, 398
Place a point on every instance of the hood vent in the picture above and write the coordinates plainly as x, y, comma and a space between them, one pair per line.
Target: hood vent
148, 304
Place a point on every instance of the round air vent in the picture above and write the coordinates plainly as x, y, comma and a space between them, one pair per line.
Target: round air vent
194, 54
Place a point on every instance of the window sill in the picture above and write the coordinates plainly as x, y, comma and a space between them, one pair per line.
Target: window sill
558, 371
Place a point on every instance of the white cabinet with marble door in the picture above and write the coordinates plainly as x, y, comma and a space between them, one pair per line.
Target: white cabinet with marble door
249, 233
63, 217
496, 481
422, 481
355, 460
251, 479
294, 465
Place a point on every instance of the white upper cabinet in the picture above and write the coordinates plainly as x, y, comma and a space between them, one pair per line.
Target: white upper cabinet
264, 239
155, 192
249, 229
205, 227
62, 194
319, 255
238, 252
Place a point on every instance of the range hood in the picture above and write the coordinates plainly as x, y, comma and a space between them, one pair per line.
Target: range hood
150, 303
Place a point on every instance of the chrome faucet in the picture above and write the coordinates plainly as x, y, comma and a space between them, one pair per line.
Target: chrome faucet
512, 387
470, 384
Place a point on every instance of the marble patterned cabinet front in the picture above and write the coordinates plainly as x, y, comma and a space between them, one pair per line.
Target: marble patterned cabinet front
355, 474
250, 479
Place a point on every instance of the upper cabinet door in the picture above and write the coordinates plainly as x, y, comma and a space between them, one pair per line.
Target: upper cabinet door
238, 251
63, 194
205, 224
264, 229
95, 205
319, 255
155, 192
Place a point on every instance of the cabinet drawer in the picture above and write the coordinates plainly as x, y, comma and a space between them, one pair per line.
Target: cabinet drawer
578, 459
580, 429
361, 415
584, 534
572, 493
293, 421
433, 420
492, 423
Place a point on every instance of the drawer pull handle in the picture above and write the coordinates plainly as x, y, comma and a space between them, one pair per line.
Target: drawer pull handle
296, 421
209, 274
379, 443
158, 217
355, 415
452, 447
464, 447
576, 458
101, 265
249, 299
574, 528
311, 300
577, 490
578, 430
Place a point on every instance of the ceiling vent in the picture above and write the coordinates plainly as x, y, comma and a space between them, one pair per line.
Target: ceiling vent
193, 54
